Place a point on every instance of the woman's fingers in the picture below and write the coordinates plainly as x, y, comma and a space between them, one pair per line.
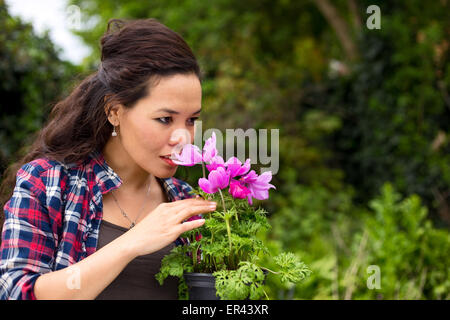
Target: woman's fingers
188, 202
190, 211
187, 226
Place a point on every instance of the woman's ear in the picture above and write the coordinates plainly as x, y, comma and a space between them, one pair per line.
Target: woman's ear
112, 112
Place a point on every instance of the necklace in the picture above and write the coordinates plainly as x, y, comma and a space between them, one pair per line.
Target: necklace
133, 223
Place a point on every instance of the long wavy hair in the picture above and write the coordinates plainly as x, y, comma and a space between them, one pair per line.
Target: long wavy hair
134, 55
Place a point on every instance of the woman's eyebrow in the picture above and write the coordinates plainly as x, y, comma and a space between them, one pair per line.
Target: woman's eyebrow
174, 112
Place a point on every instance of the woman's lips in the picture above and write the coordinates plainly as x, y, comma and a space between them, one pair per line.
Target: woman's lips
168, 161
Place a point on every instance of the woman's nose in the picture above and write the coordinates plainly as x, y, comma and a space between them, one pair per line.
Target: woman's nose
180, 136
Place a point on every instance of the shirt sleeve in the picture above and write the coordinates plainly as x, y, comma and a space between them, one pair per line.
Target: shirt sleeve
28, 243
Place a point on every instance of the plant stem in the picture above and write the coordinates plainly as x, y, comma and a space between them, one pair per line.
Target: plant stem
214, 262
203, 168
194, 257
227, 222
212, 233
269, 270
223, 201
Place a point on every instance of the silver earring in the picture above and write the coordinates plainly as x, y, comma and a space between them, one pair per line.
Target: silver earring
114, 133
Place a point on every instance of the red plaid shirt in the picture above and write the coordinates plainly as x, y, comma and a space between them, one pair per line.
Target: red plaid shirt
53, 219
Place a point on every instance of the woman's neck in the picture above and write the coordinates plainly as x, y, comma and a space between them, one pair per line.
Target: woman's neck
133, 177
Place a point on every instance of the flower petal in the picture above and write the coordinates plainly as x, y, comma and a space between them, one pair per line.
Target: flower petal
238, 190
205, 185
190, 155
209, 149
249, 199
265, 177
244, 169
233, 161
250, 177
216, 162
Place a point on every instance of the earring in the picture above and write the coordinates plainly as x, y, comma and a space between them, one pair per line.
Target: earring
114, 133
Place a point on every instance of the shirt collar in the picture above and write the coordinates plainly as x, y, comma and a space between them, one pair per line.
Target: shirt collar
108, 180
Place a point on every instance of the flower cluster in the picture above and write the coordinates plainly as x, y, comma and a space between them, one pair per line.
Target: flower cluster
226, 246
242, 182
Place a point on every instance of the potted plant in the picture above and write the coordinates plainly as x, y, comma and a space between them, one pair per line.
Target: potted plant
221, 259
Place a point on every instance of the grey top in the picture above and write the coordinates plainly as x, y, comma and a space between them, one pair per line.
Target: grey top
137, 281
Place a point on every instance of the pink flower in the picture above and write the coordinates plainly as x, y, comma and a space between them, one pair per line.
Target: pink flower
217, 179
209, 149
238, 190
258, 185
249, 185
216, 162
235, 167
190, 155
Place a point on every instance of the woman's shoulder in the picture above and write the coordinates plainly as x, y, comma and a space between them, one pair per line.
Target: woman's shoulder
46, 175
40, 168
43, 166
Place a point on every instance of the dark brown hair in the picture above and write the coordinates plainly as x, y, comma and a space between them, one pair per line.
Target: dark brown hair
134, 55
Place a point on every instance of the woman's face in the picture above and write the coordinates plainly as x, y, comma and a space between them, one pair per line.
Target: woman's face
161, 122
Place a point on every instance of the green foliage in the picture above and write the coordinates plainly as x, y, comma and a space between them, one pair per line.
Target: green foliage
396, 104
174, 264
245, 282
291, 268
412, 255
395, 235
32, 77
229, 249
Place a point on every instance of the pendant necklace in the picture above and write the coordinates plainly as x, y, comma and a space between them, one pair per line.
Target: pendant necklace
133, 223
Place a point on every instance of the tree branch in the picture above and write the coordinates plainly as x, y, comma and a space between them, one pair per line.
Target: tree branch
353, 6
340, 27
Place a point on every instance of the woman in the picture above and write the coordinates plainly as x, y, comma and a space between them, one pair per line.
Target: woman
95, 207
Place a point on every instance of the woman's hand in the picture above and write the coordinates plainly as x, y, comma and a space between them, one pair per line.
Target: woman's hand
164, 225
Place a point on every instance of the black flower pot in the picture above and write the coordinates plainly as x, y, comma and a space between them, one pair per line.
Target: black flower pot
201, 286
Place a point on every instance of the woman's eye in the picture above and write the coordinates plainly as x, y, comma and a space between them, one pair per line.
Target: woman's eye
193, 120
165, 122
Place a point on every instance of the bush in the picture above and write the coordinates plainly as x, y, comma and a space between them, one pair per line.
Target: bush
395, 236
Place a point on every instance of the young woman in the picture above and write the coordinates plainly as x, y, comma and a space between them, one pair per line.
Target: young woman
94, 204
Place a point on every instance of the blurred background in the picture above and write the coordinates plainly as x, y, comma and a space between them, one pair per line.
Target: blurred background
363, 113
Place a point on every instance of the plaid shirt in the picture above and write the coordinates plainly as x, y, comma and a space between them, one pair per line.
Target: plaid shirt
53, 218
